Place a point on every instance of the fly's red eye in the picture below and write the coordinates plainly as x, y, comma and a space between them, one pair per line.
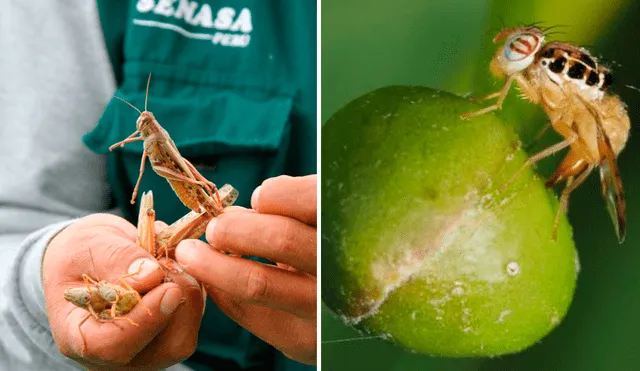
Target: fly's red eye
521, 46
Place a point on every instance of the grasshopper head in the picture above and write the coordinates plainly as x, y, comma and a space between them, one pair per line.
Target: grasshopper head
145, 121
518, 52
78, 296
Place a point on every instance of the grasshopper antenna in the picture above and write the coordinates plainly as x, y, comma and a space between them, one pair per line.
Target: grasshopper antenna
146, 97
130, 105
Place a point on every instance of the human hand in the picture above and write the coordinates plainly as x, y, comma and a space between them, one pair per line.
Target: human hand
277, 303
103, 247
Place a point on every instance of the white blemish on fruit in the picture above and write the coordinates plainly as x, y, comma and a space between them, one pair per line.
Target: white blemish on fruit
505, 200
457, 291
555, 318
510, 156
437, 305
513, 268
413, 315
439, 302
465, 318
418, 251
503, 315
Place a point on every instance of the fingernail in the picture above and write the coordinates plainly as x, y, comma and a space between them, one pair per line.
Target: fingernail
186, 252
254, 197
210, 227
170, 301
143, 268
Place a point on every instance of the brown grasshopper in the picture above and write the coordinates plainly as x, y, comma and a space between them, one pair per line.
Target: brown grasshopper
105, 301
193, 189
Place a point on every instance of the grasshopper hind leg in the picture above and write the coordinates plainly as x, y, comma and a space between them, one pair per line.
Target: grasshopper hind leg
137, 186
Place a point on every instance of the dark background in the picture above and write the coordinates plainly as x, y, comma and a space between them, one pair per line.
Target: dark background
446, 44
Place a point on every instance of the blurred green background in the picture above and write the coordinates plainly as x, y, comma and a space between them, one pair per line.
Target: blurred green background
447, 45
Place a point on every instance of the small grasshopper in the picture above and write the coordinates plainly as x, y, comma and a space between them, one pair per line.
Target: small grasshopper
193, 189
105, 301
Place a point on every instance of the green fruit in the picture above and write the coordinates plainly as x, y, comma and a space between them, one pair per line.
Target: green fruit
420, 243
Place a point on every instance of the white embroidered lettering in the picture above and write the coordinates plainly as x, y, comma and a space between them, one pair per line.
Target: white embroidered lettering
243, 23
165, 8
224, 18
240, 41
229, 39
204, 17
185, 10
220, 38
238, 23
144, 6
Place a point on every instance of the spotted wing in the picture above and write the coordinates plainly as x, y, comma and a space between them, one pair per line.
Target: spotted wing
612, 185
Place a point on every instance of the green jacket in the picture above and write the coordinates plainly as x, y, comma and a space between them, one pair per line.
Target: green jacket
234, 83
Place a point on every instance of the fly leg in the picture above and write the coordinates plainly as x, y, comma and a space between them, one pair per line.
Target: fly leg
501, 95
573, 182
539, 135
549, 151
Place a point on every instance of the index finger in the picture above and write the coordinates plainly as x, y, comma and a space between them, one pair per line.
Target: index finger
294, 197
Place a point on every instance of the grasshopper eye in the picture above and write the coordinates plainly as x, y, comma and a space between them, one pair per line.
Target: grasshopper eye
521, 46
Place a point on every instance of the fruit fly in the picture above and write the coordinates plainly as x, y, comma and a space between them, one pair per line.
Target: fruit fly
572, 88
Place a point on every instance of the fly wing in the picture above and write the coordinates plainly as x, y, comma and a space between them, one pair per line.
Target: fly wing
612, 185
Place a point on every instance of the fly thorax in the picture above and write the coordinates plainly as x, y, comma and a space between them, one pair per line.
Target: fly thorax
576, 68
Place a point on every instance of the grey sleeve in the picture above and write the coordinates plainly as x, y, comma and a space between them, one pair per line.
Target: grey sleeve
56, 81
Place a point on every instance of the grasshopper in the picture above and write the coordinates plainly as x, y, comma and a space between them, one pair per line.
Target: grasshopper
105, 301
193, 189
